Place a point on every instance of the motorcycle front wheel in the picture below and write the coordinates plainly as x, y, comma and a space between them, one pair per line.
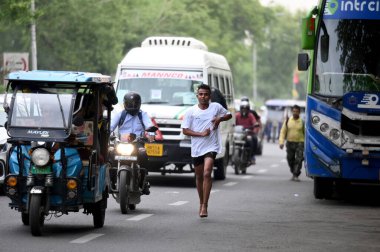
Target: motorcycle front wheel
123, 192
236, 162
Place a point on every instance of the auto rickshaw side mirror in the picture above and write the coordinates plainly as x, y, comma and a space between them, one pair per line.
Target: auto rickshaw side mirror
6, 108
78, 121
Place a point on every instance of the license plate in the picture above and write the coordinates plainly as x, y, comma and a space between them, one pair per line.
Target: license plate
131, 158
40, 170
155, 150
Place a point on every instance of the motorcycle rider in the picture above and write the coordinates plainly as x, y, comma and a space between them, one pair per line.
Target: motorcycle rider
131, 121
245, 118
252, 110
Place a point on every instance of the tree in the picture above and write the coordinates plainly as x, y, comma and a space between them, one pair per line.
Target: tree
94, 35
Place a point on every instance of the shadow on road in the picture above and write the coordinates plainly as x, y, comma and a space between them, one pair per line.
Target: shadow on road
357, 195
182, 180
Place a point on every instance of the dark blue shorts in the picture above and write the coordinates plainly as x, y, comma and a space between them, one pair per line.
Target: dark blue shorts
201, 159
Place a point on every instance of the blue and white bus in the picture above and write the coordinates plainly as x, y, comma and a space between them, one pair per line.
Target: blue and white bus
342, 141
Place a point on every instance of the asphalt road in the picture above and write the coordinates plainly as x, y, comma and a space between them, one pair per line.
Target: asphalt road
259, 211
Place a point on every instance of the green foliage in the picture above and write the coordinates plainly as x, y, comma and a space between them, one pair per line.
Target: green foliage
94, 35
15, 12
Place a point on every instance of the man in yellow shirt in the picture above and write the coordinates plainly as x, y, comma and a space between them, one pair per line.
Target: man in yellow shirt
293, 133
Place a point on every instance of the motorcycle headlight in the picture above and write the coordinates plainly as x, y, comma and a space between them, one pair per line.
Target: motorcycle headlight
125, 149
40, 157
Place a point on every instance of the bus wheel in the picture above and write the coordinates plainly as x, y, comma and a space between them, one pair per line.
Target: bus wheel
323, 188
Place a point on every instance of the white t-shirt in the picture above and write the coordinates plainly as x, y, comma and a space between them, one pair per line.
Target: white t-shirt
199, 120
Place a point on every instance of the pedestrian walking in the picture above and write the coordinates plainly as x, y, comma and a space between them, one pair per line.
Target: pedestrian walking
293, 132
201, 123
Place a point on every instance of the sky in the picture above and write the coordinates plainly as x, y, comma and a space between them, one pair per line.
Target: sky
292, 5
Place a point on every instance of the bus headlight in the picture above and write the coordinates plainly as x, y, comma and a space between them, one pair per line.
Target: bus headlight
315, 119
334, 134
327, 126
324, 127
125, 149
40, 157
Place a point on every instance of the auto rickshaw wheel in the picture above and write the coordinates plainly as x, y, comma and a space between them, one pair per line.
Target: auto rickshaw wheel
99, 212
25, 218
123, 192
36, 215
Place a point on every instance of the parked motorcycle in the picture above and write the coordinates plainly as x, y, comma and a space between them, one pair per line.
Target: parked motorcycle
241, 158
128, 179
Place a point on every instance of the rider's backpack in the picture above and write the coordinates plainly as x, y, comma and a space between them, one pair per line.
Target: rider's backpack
124, 115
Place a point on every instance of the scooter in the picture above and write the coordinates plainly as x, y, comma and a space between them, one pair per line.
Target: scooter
128, 179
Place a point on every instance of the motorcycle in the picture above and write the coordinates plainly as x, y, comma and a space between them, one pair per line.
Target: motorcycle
241, 158
128, 179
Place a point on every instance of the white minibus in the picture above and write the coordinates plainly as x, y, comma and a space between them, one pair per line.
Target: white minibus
166, 72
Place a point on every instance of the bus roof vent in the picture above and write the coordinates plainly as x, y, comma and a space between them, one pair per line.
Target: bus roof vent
174, 41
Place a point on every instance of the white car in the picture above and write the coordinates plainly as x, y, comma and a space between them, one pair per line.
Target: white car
4, 146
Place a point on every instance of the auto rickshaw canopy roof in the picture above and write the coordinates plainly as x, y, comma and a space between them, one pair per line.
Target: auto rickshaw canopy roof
59, 76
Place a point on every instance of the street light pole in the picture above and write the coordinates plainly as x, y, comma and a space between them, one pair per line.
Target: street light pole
33, 44
254, 65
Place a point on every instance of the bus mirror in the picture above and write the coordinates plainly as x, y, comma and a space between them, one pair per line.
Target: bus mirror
303, 61
325, 47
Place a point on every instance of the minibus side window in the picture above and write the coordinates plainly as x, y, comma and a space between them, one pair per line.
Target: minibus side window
216, 82
221, 86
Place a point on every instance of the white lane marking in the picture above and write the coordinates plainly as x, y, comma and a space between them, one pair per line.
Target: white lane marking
139, 217
283, 161
174, 192
274, 165
247, 177
230, 184
86, 238
178, 203
262, 171
214, 191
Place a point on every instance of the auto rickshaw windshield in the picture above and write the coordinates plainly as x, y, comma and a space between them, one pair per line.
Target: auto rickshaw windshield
42, 108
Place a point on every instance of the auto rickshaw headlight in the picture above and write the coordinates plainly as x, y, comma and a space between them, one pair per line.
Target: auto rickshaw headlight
12, 181
71, 184
40, 157
125, 149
